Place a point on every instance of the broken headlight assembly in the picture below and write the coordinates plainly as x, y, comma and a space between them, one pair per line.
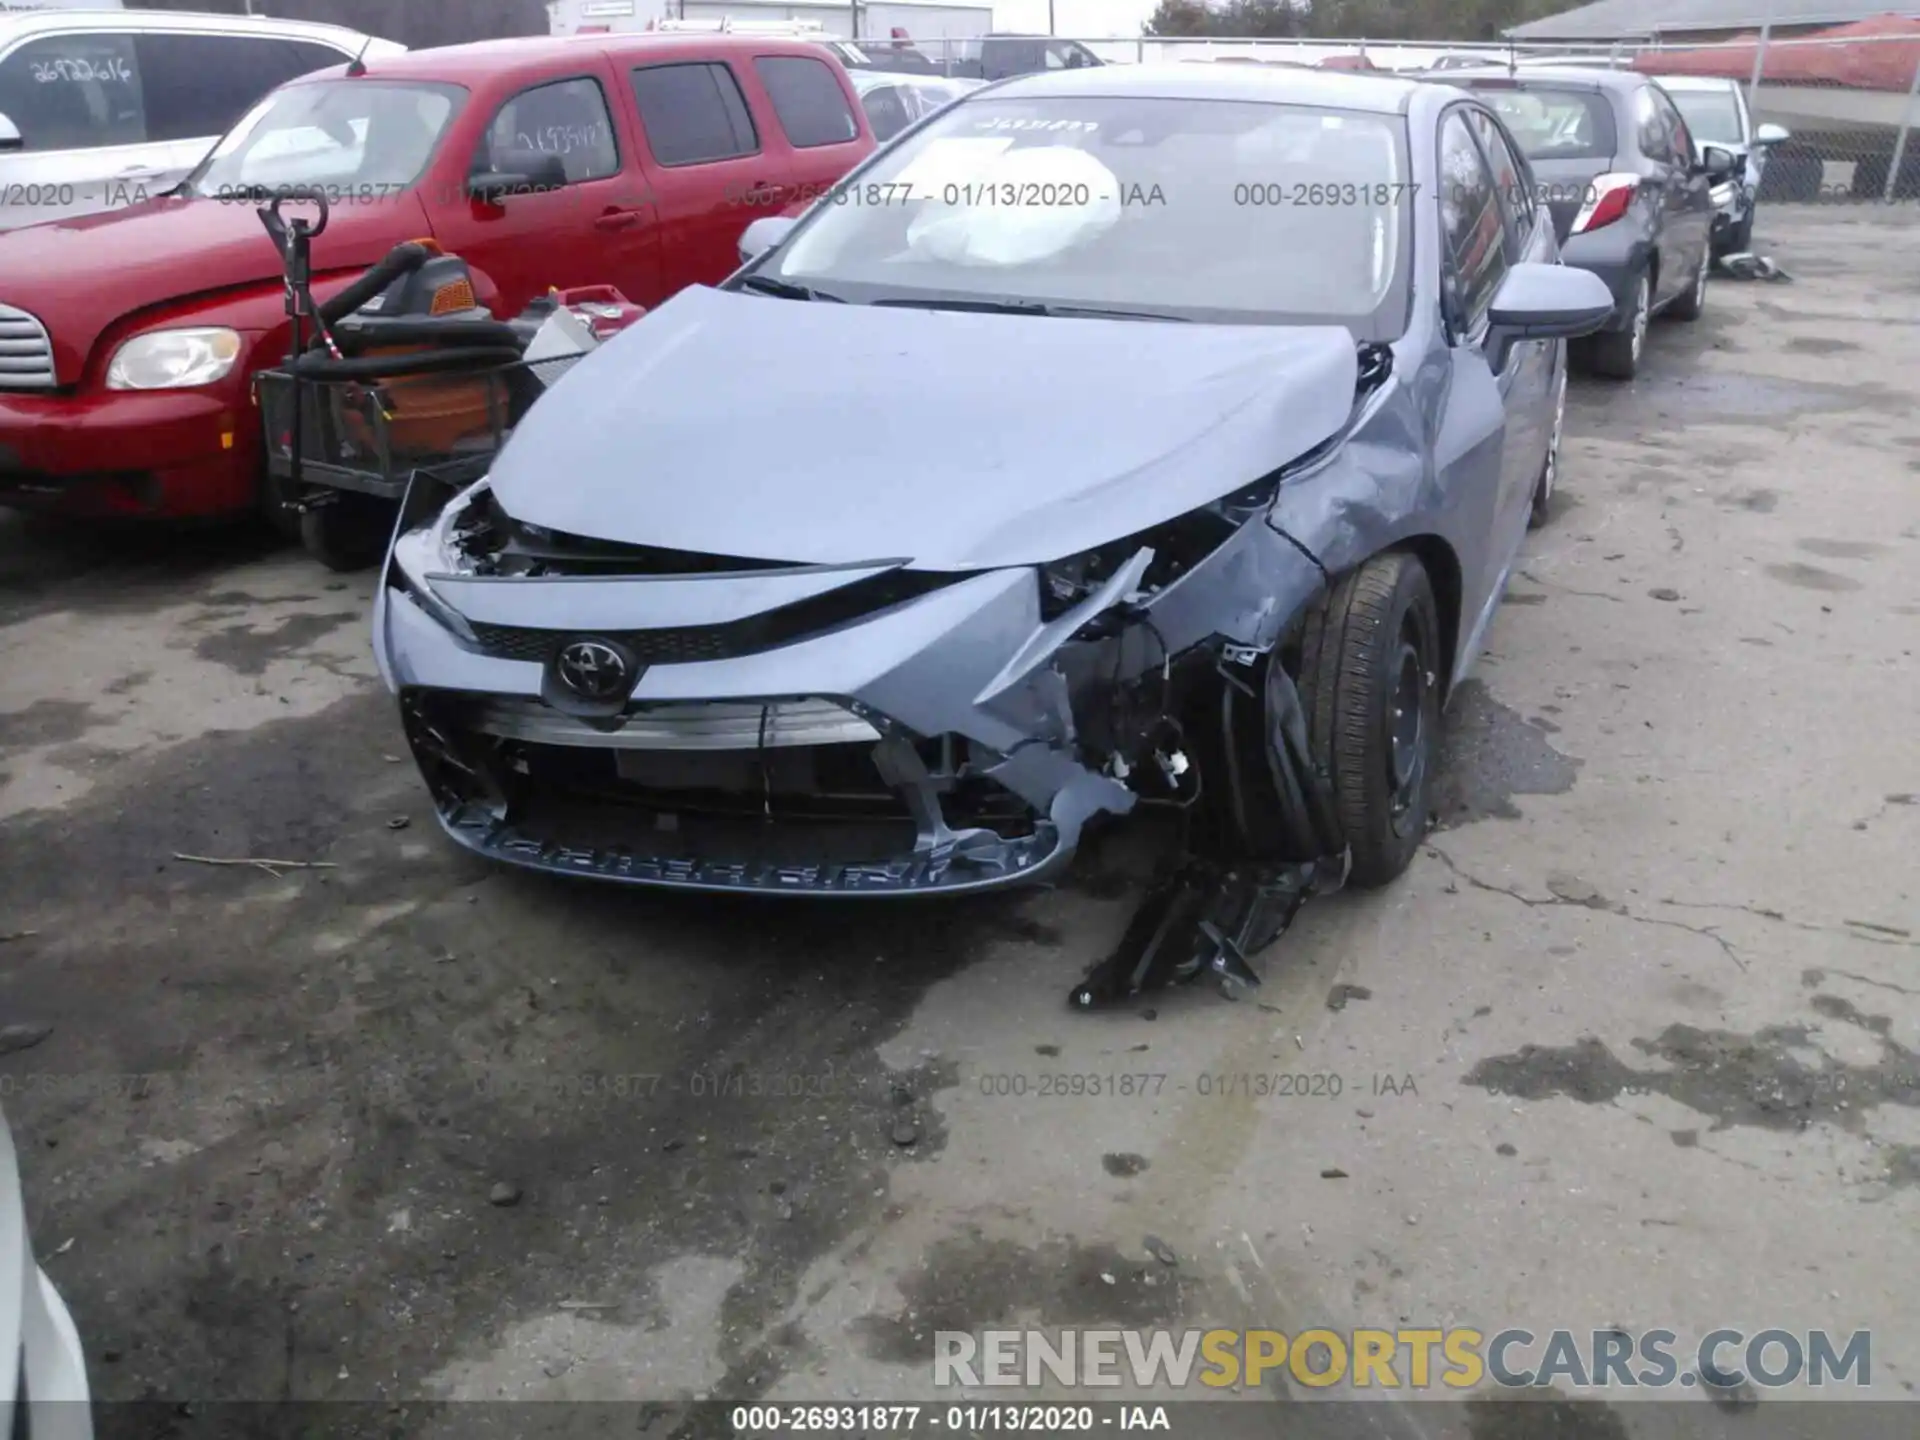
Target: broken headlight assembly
1178, 545
442, 546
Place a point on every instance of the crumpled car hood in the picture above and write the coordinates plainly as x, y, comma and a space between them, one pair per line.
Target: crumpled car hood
738, 424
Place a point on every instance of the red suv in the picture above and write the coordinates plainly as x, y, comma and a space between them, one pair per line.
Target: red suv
128, 339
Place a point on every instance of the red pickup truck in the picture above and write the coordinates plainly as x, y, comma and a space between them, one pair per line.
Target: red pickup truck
128, 339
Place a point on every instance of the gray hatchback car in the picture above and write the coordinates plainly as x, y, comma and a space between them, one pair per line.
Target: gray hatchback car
1117, 437
1630, 191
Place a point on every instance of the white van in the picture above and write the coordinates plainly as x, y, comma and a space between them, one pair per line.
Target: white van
103, 108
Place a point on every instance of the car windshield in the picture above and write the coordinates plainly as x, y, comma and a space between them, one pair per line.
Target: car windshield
1555, 124
1227, 211
365, 137
1711, 115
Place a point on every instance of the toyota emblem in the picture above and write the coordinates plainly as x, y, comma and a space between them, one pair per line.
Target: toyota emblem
592, 670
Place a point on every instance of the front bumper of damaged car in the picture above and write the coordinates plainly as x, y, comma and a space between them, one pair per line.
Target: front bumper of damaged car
937, 734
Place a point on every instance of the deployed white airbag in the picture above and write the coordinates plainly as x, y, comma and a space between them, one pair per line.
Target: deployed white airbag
1021, 207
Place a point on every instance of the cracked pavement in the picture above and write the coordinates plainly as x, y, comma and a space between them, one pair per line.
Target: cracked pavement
1632, 1044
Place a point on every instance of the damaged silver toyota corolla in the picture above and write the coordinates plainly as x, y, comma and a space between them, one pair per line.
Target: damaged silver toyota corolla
1113, 435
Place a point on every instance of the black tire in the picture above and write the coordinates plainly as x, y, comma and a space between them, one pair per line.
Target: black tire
1378, 633
1616, 353
1692, 303
350, 533
1738, 236
1548, 479
1794, 177
276, 509
1870, 177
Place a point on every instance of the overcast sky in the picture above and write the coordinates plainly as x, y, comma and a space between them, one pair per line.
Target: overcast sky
1082, 19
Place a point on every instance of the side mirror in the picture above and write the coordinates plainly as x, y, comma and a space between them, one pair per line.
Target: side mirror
10, 138
1548, 302
1716, 162
518, 172
762, 235
1771, 134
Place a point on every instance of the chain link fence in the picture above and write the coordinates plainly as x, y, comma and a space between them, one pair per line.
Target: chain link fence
1839, 111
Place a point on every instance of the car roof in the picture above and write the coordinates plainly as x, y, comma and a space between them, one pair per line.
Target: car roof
864, 80
482, 59
1696, 82
1272, 85
17, 24
1559, 77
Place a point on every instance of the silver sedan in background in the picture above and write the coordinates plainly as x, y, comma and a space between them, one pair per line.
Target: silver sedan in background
895, 101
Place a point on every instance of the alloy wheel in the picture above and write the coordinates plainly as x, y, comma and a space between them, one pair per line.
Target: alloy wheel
1642, 311
1551, 473
1407, 732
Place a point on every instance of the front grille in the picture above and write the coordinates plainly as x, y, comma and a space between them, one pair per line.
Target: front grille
26, 352
649, 647
708, 725
767, 631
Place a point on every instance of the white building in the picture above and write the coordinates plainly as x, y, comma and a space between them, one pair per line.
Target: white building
848, 19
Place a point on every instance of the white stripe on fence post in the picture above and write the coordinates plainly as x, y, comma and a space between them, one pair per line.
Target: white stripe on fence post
1900, 142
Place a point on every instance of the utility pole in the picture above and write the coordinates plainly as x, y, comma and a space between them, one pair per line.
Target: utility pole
1051, 28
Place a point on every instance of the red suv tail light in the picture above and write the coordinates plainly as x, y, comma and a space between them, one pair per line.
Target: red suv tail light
1607, 200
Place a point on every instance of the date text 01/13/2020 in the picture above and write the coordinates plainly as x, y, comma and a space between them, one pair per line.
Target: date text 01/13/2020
966, 1419
1151, 1084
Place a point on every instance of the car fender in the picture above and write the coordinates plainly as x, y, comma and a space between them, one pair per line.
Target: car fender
1387, 487
257, 311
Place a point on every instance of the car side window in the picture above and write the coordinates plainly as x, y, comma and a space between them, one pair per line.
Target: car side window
198, 86
1681, 138
807, 100
887, 111
1510, 181
568, 118
694, 114
1472, 224
74, 92
1651, 126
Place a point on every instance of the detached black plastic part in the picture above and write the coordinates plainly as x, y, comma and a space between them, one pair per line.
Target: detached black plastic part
1204, 919
1210, 915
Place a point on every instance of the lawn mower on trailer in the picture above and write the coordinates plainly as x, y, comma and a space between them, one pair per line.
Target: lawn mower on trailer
402, 374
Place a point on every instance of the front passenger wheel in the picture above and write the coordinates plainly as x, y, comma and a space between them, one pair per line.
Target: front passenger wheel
1739, 237
1550, 468
1616, 353
1370, 677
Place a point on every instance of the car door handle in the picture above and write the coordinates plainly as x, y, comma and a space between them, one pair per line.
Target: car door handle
617, 219
762, 193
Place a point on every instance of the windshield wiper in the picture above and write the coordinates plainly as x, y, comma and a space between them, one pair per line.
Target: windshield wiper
786, 289
1027, 307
